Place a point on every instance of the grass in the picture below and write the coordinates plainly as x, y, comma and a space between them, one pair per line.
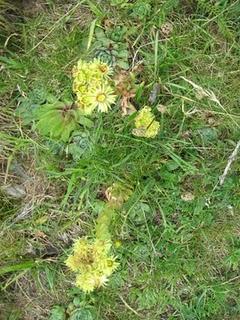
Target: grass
180, 248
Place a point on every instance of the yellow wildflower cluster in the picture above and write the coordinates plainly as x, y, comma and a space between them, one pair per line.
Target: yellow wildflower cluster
145, 124
92, 87
92, 262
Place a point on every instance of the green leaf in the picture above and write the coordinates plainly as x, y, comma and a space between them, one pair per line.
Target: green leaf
58, 313
57, 129
82, 314
67, 130
172, 165
77, 301
48, 121
91, 32
105, 42
58, 120
208, 134
96, 9
99, 33
123, 64
123, 54
17, 267
86, 122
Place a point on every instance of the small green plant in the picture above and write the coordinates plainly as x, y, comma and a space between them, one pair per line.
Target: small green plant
177, 237
141, 9
28, 105
111, 47
51, 117
233, 260
59, 119
77, 309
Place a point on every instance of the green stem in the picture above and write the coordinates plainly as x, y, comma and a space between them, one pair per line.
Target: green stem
103, 222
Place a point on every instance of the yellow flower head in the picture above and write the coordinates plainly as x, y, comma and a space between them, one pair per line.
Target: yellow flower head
102, 247
109, 265
90, 281
102, 97
145, 125
82, 256
84, 105
86, 282
92, 86
92, 263
118, 244
102, 68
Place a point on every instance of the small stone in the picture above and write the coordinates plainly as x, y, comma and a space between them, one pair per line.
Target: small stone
15, 191
187, 196
166, 29
161, 108
154, 93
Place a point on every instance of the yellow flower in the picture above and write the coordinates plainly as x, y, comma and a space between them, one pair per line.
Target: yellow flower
90, 281
84, 105
86, 282
91, 86
102, 68
72, 263
92, 263
102, 247
109, 265
101, 280
81, 72
117, 244
82, 245
102, 97
79, 87
145, 124
82, 256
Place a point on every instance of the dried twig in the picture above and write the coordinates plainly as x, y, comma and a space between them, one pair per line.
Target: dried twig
230, 161
129, 307
211, 96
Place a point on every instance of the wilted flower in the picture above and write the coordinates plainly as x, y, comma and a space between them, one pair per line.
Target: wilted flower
117, 194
